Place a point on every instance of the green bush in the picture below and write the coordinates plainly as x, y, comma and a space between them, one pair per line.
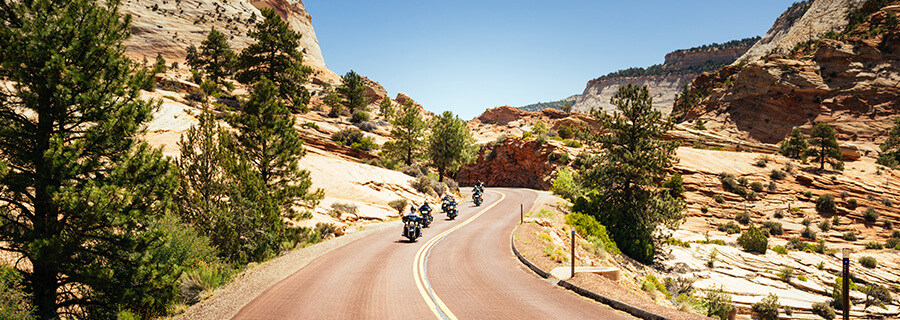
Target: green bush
773, 227
786, 274
806, 222
777, 174
354, 138
895, 234
565, 132
780, 250
719, 199
756, 186
823, 310
887, 202
888, 225
868, 262
15, 302
837, 293
527, 135
742, 217
808, 233
825, 203
729, 227
587, 226
573, 144
825, 225
650, 283
874, 245
675, 185
796, 243
808, 194
870, 215
400, 205
891, 243
779, 214
360, 115
704, 209
717, 303
427, 185
852, 202
767, 308
836, 220
564, 184
754, 240
849, 236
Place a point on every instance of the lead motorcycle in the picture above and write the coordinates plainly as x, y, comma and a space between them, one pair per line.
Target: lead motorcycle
449, 207
477, 198
425, 211
412, 226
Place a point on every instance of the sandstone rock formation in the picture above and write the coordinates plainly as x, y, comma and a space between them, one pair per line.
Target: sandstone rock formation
803, 21
851, 84
169, 27
511, 162
664, 81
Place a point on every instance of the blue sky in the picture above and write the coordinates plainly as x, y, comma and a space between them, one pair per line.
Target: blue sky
466, 56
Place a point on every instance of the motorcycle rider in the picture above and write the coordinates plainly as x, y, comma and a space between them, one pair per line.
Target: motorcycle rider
425, 207
412, 216
446, 200
479, 185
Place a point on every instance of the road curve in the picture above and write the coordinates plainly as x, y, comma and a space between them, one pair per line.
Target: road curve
471, 271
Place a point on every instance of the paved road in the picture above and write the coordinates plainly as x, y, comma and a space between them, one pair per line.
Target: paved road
459, 269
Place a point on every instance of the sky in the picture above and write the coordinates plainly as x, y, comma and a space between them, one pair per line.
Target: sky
466, 56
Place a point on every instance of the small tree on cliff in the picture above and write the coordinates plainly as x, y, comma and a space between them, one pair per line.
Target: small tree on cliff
450, 144
275, 56
216, 56
795, 145
408, 133
824, 145
386, 109
624, 184
353, 90
890, 148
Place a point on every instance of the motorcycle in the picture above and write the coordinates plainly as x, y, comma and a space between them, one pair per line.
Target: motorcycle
477, 198
411, 228
427, 218
449, 207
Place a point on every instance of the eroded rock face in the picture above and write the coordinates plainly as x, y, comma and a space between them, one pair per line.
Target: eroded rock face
169, 27
511, 163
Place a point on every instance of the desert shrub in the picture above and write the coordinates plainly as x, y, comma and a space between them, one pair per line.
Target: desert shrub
836, 220
325, 230
780, 249
821, 265
887, 202
573, 144
874, 245
717, 303
651, 283
565, 185
779, 214
205, 276
731, 185
527, 135
753, 240
888, 225
796, 243
367, 126
427, 185
399, 205
806, 222
773, 227
868, 262
844, 194
801, 277
756, 186
808, 233
360, 115
877, 295
767, 308
772, 186
761, 163
565, 132
825, 225
895, 234
452, 185
587, 226
15, 302
743, 217
347, 136
808, 194
729, 227
540, 140
852, 202
849, 236
339, 209
704, 209
777, 174
196, 94
837, 293
823, 310
786, 274
719, 199
870, 215
891, 243
751, 195
825, 203
679, 286
743, 181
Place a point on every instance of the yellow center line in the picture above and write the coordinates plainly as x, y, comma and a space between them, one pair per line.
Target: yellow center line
435, 303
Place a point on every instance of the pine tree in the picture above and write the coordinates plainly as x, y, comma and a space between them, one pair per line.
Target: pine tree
890, 148
275, 56
202, 192
823, 145
625, 193
450, 144
160, 65
386, 109
795, 145
353, 90
408, 133
216, 56
81, 189
192, 58
266, 138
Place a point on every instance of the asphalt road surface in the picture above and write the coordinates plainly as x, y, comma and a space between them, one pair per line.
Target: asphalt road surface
461, 269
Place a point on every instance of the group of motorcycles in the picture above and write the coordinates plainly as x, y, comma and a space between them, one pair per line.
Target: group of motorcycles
420, 218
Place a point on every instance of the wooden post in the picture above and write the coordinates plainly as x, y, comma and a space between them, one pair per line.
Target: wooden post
573, 252
845, 283
521, 213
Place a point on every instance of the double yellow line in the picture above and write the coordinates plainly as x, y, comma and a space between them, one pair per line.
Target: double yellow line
420, 270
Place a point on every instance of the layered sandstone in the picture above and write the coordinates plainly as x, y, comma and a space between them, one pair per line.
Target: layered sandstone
512, 162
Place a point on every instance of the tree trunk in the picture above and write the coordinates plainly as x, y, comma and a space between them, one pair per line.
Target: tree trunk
440, 174
44, 285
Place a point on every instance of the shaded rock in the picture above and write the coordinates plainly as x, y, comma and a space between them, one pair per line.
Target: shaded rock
513, 162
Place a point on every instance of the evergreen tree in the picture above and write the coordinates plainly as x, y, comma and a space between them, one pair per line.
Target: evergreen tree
408, 131
80, 189
450, 144
795, 145
567, 107
890, 148
275, 56
192, 58
386, 109
201, 195
624, 183
823, 145
160, 65
353, 90
216, 56
267, 140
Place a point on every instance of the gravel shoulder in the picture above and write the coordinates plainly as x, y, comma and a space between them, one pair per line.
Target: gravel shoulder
227, 301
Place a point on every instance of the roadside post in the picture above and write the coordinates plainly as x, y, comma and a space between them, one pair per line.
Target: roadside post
573, 252
845, 283
521, 213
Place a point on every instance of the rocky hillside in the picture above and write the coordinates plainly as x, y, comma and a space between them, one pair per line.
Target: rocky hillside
848, 79
666, 80
558, 104
170, 26
801, 22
